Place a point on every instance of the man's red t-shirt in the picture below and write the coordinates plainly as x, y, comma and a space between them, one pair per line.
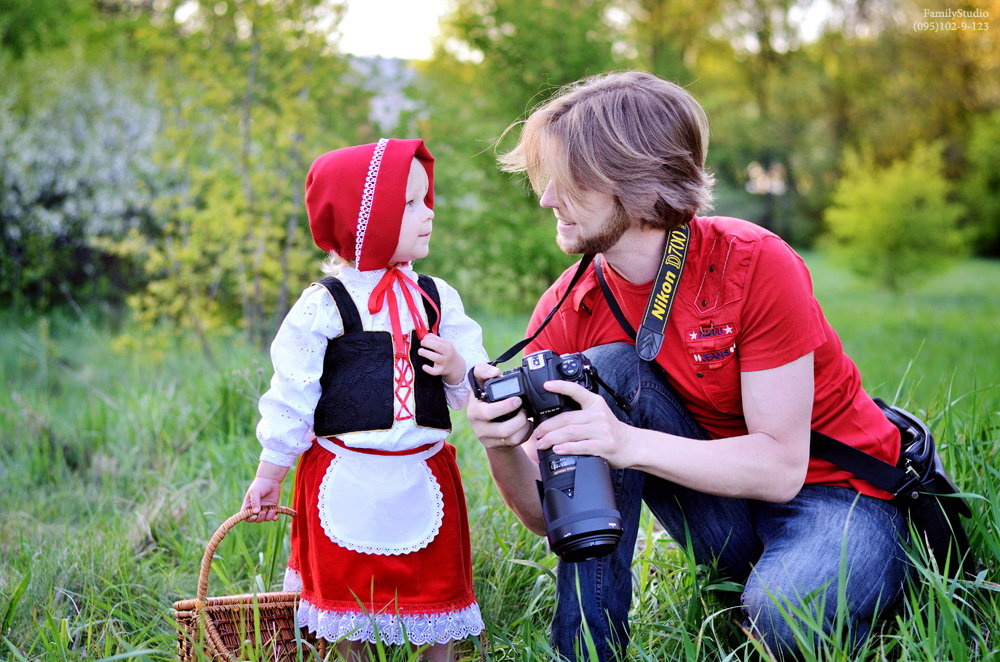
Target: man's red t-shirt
744, 303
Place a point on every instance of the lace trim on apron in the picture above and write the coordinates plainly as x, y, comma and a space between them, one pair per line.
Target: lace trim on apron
380, 504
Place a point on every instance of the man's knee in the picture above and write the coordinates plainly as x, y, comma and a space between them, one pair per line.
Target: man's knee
775, 622
789, 626
613, 361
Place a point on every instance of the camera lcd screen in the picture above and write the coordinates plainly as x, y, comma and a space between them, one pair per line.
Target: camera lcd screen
503, 388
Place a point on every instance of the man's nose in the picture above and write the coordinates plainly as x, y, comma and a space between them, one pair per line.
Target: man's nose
549, 198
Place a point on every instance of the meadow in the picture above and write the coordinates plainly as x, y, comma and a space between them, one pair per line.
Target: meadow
116, 466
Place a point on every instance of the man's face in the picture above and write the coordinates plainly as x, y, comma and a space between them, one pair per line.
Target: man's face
592, 224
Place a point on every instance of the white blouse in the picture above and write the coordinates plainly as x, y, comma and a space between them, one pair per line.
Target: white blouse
297, 352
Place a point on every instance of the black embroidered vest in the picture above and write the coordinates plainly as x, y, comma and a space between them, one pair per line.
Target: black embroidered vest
357, 381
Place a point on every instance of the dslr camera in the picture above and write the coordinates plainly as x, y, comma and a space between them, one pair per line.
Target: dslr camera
578, 501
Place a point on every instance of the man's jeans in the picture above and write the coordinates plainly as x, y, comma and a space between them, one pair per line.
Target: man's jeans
788, 555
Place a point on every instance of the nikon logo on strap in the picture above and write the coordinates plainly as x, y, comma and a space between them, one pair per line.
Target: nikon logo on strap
649, 338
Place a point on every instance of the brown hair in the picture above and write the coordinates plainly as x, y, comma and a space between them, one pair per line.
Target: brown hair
630, 134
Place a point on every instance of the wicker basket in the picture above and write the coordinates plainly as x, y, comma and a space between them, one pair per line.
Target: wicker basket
226, 628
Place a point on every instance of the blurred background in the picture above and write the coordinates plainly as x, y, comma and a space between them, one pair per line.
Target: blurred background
153, 152
152, 237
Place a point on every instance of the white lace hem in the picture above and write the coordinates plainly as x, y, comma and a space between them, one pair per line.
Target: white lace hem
418, 629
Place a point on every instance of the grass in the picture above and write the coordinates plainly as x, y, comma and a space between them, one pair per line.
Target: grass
116, 467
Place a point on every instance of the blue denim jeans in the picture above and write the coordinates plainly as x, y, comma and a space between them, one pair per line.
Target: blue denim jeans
790, 555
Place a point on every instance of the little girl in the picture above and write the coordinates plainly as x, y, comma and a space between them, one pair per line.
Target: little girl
365, 366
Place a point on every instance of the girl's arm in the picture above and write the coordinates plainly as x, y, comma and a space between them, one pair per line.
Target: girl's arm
285, 427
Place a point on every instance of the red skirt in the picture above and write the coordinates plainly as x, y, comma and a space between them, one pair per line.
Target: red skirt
423, 596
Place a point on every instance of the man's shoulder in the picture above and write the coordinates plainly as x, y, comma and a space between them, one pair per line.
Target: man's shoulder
728, 226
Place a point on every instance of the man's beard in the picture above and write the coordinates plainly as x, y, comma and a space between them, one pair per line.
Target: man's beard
609, 234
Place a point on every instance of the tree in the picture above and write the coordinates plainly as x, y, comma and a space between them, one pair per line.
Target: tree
41, 24
894, 224
980, 189
76, 174
497, 60
252, 91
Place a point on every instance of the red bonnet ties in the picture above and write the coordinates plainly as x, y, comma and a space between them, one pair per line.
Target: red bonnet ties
384, 293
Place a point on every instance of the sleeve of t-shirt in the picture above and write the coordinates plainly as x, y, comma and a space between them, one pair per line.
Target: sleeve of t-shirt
298, 353
781, 319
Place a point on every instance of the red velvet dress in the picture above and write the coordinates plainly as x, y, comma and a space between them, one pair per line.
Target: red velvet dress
422, 596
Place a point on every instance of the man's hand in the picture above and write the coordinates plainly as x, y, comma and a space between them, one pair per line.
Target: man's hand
445, 361
481, 415
592, 430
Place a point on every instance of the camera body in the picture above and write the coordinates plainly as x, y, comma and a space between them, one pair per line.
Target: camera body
526, 383
582, 520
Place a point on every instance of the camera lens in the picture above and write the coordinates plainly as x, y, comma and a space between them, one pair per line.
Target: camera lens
599, 538
578, 502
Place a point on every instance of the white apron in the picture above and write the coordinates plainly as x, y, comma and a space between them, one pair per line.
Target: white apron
380, 504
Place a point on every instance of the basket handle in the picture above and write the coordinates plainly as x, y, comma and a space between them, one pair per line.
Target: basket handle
206, 568
216, 539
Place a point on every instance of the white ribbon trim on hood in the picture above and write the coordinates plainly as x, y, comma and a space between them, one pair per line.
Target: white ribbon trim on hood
368, 197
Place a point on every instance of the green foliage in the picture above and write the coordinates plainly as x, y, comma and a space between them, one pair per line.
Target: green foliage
980, 189
251, 94
40, 24
895, 224
493, 241
204, 226
76, 174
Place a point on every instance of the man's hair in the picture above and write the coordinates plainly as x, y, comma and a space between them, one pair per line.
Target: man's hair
630, 134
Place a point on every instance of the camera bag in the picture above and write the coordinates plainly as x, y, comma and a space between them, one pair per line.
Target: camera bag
920, 486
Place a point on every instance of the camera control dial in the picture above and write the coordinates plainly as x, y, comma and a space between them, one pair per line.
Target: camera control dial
570, 367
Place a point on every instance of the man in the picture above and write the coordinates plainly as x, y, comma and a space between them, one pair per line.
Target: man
717, 439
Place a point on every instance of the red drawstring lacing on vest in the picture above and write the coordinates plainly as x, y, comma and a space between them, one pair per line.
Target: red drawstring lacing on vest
384, 293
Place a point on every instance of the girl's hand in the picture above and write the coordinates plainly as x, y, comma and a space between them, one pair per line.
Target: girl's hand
445, 361
593, 430
262, 492
265, 490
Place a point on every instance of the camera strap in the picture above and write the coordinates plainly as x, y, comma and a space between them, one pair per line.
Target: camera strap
649, 338
512, 351
517, 347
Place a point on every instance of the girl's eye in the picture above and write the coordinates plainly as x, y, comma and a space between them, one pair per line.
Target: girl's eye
409, 203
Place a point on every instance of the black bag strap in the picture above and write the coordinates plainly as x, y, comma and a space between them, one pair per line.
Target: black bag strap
879, 473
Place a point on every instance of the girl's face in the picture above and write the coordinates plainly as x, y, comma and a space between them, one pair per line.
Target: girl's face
415, 230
